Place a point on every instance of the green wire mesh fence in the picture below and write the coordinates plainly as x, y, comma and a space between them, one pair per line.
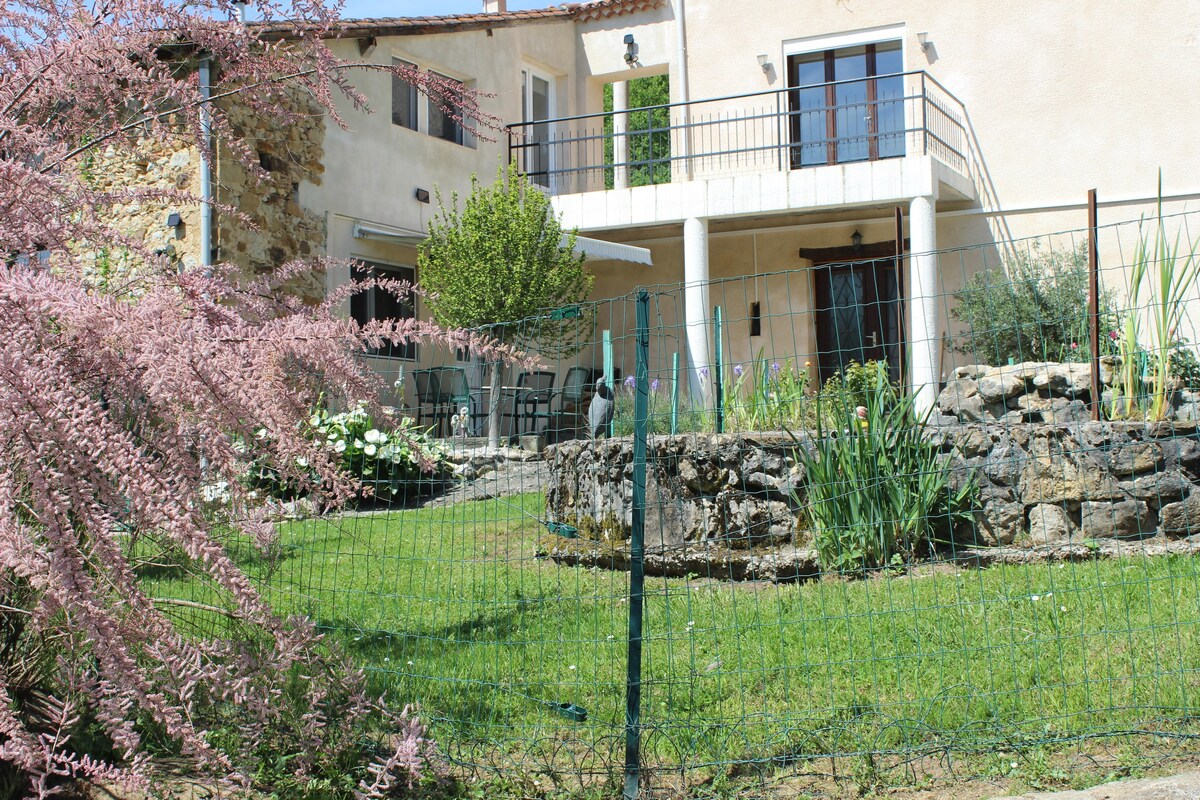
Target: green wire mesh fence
840, 578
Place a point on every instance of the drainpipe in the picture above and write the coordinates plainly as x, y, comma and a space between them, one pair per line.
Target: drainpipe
206, 187
685, 148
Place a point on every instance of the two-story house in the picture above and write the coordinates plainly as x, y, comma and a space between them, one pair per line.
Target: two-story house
793, 133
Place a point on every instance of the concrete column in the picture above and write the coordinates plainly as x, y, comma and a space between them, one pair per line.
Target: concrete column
696, 308
620, 94
923, 338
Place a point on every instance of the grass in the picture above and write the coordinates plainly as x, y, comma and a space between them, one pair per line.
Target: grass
449, 608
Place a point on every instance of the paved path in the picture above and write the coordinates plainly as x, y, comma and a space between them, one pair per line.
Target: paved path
1179, 787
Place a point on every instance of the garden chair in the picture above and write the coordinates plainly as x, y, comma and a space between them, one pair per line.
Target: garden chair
455, 392
533, 389
428, 394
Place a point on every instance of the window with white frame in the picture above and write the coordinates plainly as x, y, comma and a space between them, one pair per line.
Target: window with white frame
439, 116
378, 303
537, 105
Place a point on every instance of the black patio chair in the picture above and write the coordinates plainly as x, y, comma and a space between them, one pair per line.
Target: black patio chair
533, 389
428, 394
455, 393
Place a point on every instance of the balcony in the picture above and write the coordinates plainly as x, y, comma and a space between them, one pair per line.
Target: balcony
784, 132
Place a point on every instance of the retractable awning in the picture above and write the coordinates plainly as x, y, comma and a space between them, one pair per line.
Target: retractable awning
592, 249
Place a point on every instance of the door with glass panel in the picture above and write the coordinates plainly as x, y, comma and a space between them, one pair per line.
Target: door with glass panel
857, 315
846, 104
537, 106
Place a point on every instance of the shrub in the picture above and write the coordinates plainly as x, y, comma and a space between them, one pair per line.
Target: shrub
386, 459
877, 489
1034, 308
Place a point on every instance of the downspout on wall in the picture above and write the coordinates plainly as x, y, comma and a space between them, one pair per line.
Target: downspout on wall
206, 183
681, 82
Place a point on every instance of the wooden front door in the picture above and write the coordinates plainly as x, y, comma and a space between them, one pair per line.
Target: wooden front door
858, 308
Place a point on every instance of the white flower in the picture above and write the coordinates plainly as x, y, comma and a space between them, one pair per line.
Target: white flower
302, 461
572, 667
375, 436
370, 449
1035, 598
340, 446
314, 420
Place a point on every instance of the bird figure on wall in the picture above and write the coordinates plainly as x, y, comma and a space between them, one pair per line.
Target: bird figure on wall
601, 410
460, 422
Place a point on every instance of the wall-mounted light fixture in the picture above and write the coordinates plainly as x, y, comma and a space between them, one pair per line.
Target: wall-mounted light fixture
764, 61
367, 45
923, 40
856, 241
174, 220
422, 195
631, 56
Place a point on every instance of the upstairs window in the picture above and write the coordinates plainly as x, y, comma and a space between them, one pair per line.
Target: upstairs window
404, 98
378, 304
442, 122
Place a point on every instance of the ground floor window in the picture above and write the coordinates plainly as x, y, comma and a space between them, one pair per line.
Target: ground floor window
377, 303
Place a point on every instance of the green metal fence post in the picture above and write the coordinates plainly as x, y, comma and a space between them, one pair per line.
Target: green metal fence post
674, 394
718, 373
608, 370
637, 542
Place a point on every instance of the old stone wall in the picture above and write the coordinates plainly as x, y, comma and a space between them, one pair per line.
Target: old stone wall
276, 228
1040, 484
1036, 391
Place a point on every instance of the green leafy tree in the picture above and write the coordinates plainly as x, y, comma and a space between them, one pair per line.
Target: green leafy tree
502, 263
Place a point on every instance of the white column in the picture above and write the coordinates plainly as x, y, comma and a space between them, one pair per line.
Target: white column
620, 94
923, 303
696, 308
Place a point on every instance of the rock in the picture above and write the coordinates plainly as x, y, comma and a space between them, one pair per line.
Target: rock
1000, 383
973, 441
1064, 380
1005, 464
1049, 523
1063, 412
1100, 520
961, 399
1182, 518
1053, 475
1135, 457
1161, 488
972, 371
1187, 406
1000, 523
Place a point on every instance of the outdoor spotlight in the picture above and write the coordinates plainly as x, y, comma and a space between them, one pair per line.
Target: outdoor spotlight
764, 61
422, 195
856, 241
174, 220
631, 56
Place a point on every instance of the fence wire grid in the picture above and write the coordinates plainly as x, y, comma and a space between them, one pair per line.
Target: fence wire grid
823, 594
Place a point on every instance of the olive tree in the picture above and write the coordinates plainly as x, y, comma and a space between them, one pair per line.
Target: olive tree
502, 264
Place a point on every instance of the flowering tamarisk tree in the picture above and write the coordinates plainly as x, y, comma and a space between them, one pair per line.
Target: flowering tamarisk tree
119, 403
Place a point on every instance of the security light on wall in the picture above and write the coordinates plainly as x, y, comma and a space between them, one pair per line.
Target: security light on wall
631, 56
856, 241
764, 61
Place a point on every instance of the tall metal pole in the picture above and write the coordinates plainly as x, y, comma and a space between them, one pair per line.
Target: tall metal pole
637, 544
718, 372
1094, 300
902, 330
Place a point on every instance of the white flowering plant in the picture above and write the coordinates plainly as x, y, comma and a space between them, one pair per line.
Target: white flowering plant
390, 458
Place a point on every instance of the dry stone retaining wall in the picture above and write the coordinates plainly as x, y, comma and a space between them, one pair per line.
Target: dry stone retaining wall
739, 496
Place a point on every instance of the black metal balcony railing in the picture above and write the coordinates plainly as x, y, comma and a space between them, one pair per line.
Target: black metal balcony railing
866, 119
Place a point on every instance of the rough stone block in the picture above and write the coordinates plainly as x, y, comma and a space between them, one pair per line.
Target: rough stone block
1114, 520
1182, 518
1049, 523
1000, 523
1135, 457
1000, 383
1160, 489
1064, 380
1005, 464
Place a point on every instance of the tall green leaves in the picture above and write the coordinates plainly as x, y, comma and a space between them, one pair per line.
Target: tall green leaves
877, 489
502, 260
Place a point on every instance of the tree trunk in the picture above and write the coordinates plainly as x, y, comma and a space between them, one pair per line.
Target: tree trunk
494, 406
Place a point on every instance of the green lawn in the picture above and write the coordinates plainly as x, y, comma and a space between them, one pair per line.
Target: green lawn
449, 608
